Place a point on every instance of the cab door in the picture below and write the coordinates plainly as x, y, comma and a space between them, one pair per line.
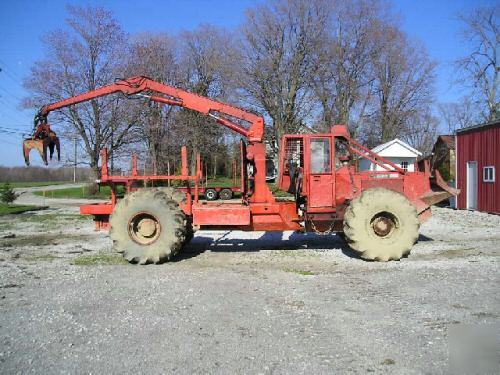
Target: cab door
321, 178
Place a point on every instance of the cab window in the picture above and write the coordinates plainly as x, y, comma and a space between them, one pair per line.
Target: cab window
320, 155
294, 156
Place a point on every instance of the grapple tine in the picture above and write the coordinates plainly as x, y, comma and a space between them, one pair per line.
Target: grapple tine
38, 144
58, 148
53, 143
43, 138
26, 153
51, 149
46, 143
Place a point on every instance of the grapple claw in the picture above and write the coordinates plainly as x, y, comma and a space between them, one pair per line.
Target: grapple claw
42, 139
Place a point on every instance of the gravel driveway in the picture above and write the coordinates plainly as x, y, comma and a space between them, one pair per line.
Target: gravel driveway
241, 302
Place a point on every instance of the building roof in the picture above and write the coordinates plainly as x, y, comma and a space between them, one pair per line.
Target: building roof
449, 140
384, 148
491, 124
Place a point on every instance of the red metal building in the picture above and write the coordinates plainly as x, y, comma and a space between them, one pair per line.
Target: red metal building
478, 160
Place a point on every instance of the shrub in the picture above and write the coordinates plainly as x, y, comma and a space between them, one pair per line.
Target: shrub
92, 189
7, 194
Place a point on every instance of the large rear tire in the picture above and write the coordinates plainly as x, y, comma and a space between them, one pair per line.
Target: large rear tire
148, 226
381, 225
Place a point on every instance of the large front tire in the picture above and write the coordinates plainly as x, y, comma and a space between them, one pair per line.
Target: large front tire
381, 225
148, 226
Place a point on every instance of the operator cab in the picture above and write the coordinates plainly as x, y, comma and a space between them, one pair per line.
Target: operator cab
309, 163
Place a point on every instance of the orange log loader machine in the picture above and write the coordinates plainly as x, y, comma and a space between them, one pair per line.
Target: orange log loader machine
379, 212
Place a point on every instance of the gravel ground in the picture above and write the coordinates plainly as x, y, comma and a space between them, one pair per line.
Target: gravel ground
239, 302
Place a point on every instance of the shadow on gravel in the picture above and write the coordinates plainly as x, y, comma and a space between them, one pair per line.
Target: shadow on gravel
422, 238
268, 241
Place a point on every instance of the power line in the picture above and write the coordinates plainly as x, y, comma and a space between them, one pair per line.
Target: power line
10, 72
10, 94
13, 136
14, 133
8, 132
7, 100
9, 107
10, 76
8, 142
16, 127
15, 120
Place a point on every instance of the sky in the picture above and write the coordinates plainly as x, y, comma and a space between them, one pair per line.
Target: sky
23, 23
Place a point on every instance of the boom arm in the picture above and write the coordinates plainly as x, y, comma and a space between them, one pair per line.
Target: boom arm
223, 113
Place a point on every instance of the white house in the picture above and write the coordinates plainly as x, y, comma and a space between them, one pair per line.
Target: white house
397, 152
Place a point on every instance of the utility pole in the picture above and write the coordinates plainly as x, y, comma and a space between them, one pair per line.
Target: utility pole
74, 161
215, 166
112, 153
168, 171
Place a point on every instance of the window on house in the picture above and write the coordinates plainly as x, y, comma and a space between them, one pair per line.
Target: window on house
404, 165
489, 174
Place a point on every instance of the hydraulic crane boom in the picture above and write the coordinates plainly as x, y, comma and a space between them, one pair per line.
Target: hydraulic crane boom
221, 112
227, 115
232, 117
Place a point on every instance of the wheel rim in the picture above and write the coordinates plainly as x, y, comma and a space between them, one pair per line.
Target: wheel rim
144, 228
384, 224
210, 194
225, 194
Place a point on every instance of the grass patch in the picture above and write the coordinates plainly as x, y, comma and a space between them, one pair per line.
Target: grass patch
41, 258
299, 272
221, 182
276, 192
43, 239
99, 259
388, 362
53, 217
228, 182
8, 209
31, 240
286, 252
6, 226
84, 192
37, 183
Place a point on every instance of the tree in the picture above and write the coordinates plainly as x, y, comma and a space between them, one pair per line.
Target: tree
201, 61
208, 61
154, 56
79, 60
421, 131
279, 39
342, 71
7, 194
480, 67
458, 115
403, 84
